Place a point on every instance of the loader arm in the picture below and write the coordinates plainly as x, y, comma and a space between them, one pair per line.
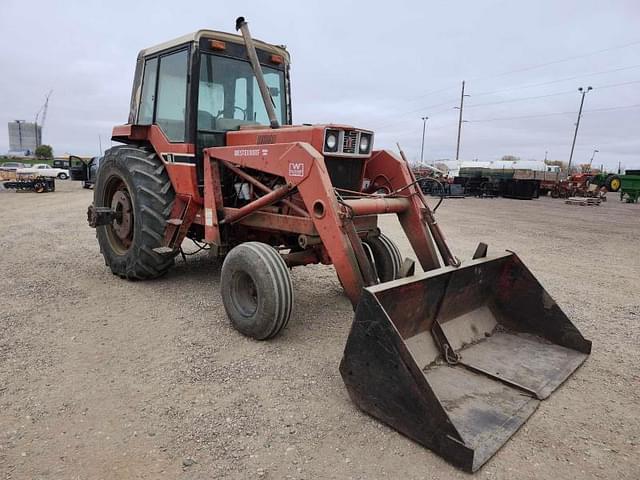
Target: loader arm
303, 168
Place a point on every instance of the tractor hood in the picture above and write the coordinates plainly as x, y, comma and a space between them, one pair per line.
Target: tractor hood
333, 140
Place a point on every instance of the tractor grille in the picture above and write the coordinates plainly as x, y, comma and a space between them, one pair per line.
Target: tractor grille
350, 142
345, 173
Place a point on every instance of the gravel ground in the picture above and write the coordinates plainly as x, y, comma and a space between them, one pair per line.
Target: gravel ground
104, 378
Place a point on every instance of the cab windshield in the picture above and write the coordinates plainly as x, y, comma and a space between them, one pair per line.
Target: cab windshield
229, 95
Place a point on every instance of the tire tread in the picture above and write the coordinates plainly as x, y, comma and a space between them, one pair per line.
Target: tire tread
155, 196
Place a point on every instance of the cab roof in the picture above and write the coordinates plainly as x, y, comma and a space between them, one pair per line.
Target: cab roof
195, 37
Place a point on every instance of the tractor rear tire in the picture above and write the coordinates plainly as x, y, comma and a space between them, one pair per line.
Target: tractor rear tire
134, 181
612, 183
256, 290
386, 257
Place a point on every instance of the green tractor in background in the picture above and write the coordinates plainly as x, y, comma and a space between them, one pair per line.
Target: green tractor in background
610, 181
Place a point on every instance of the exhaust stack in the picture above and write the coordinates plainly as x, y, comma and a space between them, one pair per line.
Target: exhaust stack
243, 26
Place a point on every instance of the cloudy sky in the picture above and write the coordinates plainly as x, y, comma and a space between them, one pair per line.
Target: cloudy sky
378, 64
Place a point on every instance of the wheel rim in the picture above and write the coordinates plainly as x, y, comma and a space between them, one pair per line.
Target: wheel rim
244, 294
615, 184
120, 231
372, 259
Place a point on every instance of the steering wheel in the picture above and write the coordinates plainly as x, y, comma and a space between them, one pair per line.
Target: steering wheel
244, 112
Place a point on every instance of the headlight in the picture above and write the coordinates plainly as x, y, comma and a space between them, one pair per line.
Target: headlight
331, 141
365, 143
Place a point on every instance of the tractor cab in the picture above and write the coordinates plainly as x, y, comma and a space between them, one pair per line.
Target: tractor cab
194, 115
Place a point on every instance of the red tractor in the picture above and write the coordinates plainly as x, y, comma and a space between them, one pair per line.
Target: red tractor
456, 358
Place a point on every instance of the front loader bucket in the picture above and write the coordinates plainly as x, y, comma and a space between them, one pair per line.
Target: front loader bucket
458, 358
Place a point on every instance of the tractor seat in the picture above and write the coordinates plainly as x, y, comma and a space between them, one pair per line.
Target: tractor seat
206, 121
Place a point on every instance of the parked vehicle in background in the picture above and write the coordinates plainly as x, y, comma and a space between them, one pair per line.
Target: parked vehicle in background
589, 184
32, 183
86, 172
44, 170
630, 186
93, 165
67, 161
11, 166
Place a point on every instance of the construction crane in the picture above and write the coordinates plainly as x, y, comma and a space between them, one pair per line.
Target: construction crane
42, 110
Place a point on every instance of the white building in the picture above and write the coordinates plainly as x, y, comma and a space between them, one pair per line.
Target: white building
24, 137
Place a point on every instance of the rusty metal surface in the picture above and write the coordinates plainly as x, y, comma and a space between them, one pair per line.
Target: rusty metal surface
377, 206
485, 413
389, 172
98, 216
523, 360
366, 269
123, 218
304, 257
183, 213
264, 201
276, 222
427, 215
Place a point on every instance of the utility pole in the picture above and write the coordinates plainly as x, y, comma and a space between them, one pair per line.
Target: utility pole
575, 134
424, 129
462, 95
592, 155
100, 144
545, 155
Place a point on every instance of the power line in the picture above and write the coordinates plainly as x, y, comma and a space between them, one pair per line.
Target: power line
520, 99
559, 80
595, 110
599, 87
405, 120
553, 62
426, 109
421, 109
563, 60
432, 92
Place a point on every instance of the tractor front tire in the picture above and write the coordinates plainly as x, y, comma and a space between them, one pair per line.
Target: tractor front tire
256, 290
133, 181
386, 257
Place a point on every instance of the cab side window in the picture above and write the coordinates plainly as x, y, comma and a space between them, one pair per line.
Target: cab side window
145, 113
171, 98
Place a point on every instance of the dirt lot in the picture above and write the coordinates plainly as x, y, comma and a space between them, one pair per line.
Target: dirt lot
104, 378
